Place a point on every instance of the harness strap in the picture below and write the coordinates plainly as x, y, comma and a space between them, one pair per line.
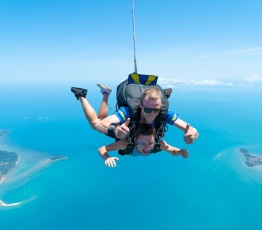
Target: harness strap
160, 133
130, 141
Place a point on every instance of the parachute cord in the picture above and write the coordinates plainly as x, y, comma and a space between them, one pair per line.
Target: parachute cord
134, 34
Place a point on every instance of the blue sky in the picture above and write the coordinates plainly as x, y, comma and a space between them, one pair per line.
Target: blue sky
183, 42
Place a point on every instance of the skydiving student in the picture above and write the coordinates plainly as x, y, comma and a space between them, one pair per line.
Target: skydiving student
144, 141
150, 106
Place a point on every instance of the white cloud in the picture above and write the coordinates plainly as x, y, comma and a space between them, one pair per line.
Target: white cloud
254, 78
190, 82
253, 51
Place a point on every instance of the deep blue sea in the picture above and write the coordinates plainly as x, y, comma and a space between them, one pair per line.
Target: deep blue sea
212, 189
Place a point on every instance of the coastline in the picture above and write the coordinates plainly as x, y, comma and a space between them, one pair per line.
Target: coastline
2, 179
8, 205
8, 162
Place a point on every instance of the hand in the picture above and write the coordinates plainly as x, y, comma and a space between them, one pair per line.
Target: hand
111, 161
184, 153
190, 134
122, 130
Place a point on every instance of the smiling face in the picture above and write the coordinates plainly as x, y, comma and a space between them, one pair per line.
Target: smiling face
150, 99
145, 143
152, 104
145, 138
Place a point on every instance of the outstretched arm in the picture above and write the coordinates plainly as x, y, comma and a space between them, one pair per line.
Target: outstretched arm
173, 150
191, 133
103, 151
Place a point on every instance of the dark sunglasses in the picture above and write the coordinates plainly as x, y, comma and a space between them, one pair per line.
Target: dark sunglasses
149, 110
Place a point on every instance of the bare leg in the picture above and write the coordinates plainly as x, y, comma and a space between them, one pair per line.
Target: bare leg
103, 111
89, 111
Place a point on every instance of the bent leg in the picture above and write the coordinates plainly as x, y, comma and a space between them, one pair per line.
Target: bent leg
89, 112
93, 119
105, 90
103, 111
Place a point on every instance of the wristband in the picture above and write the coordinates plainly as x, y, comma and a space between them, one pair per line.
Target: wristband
111, 129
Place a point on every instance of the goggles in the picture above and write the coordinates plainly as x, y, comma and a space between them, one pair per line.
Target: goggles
143, 145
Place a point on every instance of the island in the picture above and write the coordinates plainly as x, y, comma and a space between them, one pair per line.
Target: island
58, 157
8, 161
53, 158
251, 160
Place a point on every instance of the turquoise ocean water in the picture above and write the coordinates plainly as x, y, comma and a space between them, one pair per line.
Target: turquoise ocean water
212, 189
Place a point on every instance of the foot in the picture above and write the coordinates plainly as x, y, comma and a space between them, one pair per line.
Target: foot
167, 92
79, 92
104, 89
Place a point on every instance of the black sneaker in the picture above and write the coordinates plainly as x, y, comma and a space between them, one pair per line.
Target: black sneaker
79, 92
167, 92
